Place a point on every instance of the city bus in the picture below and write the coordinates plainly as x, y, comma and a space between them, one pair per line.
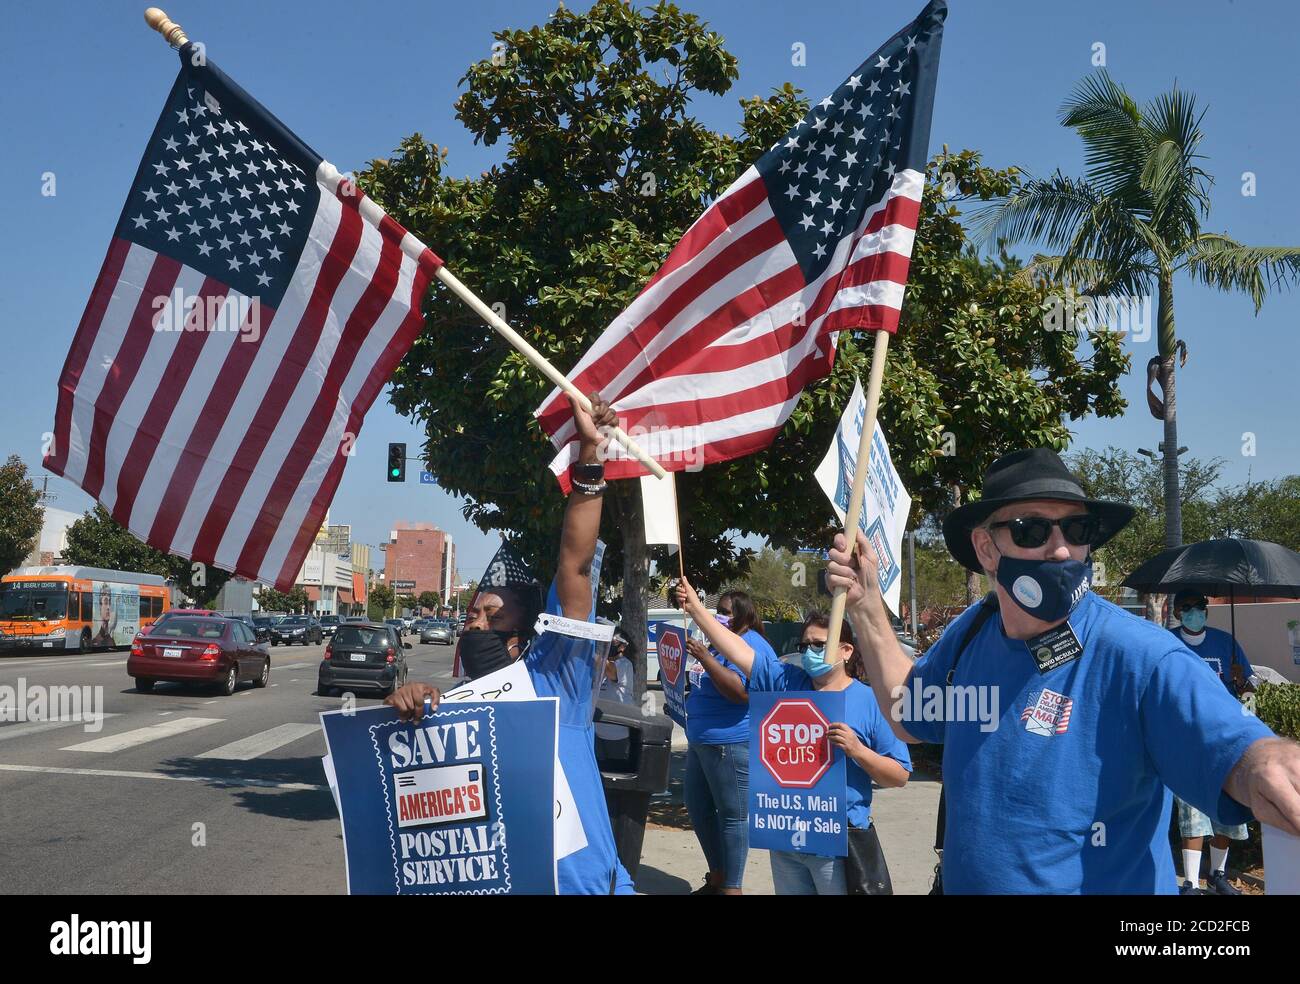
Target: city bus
78, 608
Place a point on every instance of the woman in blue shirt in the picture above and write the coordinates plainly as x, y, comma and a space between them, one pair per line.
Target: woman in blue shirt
716, 787
872, 750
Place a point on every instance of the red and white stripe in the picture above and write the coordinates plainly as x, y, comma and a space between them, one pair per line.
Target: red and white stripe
709, 360
225, 449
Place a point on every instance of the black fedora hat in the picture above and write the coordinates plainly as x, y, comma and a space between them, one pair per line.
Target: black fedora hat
1022, 476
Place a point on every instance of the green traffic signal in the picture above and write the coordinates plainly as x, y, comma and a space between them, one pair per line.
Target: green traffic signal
397, 462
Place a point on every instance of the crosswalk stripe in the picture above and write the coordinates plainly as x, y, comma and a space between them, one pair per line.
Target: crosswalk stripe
259, 744
116, 662
289, 666
142, 736
225, 781
35, 727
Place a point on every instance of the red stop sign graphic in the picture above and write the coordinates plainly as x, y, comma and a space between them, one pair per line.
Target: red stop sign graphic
670, 656
793, 745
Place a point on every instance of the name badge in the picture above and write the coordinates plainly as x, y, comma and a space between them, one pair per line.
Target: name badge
1054, 648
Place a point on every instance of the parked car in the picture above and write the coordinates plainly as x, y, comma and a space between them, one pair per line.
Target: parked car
207, 649
328, 623
263, 624
301, 629
366, 654
437, 631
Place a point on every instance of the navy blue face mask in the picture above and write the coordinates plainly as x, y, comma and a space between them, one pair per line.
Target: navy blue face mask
1047, 589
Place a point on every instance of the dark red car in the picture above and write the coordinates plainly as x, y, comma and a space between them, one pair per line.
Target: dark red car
199, 649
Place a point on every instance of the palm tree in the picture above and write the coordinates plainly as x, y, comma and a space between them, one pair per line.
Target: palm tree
1134, 221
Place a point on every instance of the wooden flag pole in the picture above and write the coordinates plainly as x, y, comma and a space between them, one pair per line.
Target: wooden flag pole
859, 482
681, 559
175, 36
539, 362
164, 25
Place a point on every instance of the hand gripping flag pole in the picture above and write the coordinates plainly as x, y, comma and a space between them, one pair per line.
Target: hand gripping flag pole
175, 36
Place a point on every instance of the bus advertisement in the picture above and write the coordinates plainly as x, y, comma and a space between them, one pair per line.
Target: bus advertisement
77, 608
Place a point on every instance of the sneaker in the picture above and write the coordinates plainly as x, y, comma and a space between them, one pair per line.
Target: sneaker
1218, 884
1191, 888
707, 889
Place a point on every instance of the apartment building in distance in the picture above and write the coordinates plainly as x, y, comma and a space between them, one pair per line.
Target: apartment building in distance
420, 557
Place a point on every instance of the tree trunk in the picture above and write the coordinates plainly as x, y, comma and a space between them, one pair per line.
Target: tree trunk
636, 577
1168, 342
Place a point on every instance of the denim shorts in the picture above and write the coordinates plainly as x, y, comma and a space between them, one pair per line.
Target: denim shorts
1193, 823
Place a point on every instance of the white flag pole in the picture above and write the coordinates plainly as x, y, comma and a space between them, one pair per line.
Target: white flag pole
175, 36
859, 482
540, 362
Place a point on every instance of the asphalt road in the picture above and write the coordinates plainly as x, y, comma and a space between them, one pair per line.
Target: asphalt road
180, 790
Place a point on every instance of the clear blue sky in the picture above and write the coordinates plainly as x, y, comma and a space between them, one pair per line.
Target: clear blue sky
82, 85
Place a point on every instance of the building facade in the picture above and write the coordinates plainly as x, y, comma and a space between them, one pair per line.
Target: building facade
420, 555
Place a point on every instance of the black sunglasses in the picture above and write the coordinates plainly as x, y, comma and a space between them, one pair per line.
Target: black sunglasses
1083, 530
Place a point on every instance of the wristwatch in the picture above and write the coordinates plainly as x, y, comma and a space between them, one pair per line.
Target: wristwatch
588, 473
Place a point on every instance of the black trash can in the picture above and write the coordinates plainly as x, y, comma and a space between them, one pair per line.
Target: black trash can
630, 783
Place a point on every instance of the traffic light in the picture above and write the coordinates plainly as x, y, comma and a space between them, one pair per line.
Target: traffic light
397, 462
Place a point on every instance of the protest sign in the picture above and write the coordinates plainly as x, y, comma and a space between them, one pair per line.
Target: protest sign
670, 643
514, 683
798, 793
885, 504
449, 806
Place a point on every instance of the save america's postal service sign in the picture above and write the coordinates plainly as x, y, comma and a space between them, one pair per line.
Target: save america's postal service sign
461, 803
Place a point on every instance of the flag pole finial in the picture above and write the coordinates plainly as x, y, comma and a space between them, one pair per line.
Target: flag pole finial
164, 25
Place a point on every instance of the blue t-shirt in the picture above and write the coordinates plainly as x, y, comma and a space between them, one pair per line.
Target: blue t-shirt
1219, 652
1062, 789
711, 719
561, 666
861, 713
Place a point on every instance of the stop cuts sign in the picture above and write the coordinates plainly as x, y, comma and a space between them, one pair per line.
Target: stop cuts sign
793, 745
671, 657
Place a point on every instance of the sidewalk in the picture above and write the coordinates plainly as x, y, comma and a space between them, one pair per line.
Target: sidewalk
672, 863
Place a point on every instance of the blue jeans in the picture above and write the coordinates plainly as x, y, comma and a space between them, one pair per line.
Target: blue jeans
807, 874
716, 791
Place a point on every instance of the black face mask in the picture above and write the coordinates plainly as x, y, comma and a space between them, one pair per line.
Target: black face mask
482, 653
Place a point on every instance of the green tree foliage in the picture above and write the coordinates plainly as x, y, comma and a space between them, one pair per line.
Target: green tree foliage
1127, 477
98, 540
429, 599
1252, 510
21, 514
783, 584
380, 602
604, 168
271, 600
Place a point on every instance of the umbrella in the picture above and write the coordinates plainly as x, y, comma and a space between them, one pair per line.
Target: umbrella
1255, 568
1226, 566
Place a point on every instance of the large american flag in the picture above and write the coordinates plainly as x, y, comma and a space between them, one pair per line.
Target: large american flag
814, 239
251, 307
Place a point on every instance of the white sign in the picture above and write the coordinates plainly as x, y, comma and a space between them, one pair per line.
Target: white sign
1281, 861
659, 506
885, 503
514, 683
